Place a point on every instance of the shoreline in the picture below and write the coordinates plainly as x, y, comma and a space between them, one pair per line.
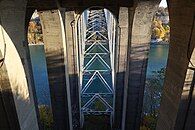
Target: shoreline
159, 43
36, 44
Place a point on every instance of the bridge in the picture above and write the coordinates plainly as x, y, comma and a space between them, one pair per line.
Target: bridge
97, 85
81, 54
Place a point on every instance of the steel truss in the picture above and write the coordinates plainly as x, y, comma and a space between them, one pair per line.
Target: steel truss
97, 89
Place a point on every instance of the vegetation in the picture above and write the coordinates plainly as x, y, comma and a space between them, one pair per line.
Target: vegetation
152, 98
35, 35
101, 122
46, 117
160, 26
154, 83
99, 106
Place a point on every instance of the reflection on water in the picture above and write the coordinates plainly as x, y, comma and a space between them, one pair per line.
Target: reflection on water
157, 58
38, 60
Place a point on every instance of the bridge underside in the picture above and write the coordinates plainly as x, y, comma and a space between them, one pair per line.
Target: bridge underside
79, 5
131, 55
54, 4
96, 66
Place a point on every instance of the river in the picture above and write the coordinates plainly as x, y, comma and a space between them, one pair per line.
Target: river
157, 59
38, 61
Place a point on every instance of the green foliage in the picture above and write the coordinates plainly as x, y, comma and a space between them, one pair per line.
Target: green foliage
46, 117
99, 106
153, 91
160, 26
101, 122
149, 122
35, 32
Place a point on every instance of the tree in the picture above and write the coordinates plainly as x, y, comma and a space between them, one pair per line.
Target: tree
35, 31
160, 26
46, 117
152, 98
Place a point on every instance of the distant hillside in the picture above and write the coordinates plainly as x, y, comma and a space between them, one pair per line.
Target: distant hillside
35, 35
160, 26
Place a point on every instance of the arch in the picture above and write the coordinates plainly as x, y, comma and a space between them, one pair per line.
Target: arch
112, 10
137, 46
181, 48
185, 112
178, 61
17, 62
7, 106
109, 27
155, 48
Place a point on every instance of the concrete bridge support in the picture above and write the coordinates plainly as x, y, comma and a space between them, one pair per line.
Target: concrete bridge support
61, 55
134, 41
137, 60
173, 104
17, 101
125, 14
56, 58
185, 117
70, 21
8, 114
17, 83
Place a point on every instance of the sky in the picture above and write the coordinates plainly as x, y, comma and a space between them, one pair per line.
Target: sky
35, 14
163, 3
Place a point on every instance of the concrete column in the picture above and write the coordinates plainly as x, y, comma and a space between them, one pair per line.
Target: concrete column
185, 118
17, 62
140, 44
72, 55
182, 43
188, 97
122, 48
56, 58
8, 114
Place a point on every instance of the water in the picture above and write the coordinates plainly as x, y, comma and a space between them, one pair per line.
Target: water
40, 74
157, 59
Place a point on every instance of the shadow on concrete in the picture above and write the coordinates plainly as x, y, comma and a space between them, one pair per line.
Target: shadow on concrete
8, 114
186, 107
137, 77
119, 90
18, 37
58, 90
136, 85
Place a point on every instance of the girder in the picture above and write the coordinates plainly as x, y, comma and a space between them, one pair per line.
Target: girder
97, 89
